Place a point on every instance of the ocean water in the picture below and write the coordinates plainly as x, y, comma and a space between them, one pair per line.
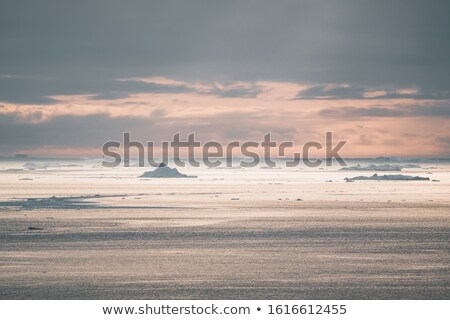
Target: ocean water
76, 230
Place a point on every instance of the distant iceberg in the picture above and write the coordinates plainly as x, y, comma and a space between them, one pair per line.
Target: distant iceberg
390, 177
380, 167
46, 165
20, 156
163, 171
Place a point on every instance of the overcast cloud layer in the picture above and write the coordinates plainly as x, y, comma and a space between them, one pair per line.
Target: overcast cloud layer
375, 72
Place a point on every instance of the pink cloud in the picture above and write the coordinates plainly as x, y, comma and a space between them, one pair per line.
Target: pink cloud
273, 108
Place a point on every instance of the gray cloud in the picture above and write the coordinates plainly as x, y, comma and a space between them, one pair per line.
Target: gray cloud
399, 111
17, 133
82, 46
231, 90
443, 141
23, 90
354, 112
322, 92
71, 131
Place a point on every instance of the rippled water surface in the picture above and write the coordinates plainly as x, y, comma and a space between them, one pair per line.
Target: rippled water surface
88, 232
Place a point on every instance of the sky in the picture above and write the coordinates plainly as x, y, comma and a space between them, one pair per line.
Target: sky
76, 74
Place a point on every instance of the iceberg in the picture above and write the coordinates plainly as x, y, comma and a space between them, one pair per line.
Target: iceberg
163, 171
381, 167
391, 177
